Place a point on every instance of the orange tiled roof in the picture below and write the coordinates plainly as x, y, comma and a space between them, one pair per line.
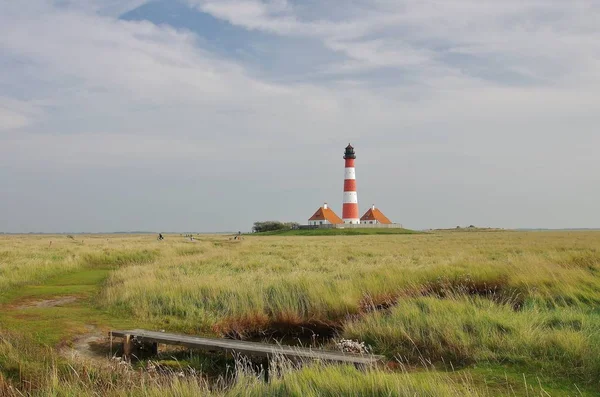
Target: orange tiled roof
375, 215
323, 214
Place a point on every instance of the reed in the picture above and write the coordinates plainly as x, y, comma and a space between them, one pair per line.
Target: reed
505, 301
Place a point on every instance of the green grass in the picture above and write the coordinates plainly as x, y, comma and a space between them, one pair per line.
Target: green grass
516, 380
346, 380
50, 326
466, 330
335, 232
81, 282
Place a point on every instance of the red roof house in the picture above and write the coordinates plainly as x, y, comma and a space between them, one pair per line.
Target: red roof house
324, 216
374, 216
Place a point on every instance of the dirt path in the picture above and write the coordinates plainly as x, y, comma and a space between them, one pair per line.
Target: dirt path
57, 301
94, 345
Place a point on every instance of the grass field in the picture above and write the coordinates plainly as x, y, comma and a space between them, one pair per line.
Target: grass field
478, 313
337, 232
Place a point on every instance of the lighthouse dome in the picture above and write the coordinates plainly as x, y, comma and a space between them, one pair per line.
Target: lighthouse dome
349, 153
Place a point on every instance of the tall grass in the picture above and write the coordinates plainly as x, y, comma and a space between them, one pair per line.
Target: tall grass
458, 300
318, 380
248, 287
33, 259
465, 330
453, 298
38, 372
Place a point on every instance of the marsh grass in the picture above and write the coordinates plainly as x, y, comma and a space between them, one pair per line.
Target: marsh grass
251, 287
34, 259
465, 330
110, 258
35, 371
453, 300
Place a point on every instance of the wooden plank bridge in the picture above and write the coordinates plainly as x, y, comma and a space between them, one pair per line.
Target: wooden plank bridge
252, 349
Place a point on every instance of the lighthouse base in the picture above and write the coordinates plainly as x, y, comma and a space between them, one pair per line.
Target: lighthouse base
352, 221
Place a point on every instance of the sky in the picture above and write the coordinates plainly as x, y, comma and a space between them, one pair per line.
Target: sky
209, 115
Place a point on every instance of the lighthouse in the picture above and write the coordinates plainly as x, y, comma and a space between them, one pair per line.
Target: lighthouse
350, 206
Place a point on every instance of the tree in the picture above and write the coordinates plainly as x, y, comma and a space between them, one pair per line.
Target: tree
270, 226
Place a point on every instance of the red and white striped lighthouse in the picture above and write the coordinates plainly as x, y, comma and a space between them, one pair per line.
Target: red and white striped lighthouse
350, 207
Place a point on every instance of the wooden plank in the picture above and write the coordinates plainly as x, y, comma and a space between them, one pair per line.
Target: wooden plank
246, 348
127, 345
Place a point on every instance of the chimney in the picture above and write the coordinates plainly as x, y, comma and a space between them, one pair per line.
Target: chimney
373, 207
325, 206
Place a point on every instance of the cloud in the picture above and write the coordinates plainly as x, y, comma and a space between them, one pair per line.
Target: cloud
111, 8
441, 99
14, 114
538, 40
98, 65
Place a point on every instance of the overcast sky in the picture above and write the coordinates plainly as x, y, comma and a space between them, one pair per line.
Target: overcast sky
208, 115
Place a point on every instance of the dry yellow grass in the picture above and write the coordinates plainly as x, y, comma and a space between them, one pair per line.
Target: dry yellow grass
265, 280
495, 299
